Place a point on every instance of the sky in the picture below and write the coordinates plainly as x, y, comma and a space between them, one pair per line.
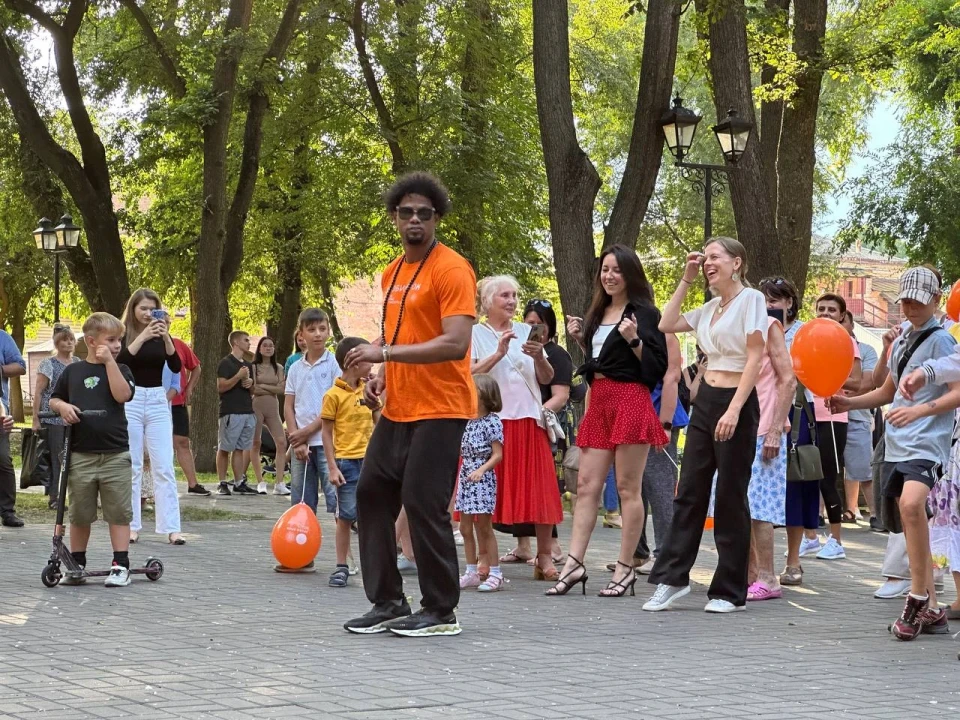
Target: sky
882, 130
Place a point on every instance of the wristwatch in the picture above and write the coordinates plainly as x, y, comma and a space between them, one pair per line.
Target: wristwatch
635, 343
668, 426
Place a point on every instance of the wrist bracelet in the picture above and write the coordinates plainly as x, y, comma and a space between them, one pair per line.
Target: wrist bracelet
386, 353
684, 280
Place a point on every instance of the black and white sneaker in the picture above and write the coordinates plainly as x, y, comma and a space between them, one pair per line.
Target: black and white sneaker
223, 489
199, 489
375, 621
244, 489
425, 623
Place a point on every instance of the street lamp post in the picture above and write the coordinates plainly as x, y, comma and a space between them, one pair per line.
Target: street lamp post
679, 127
56, 241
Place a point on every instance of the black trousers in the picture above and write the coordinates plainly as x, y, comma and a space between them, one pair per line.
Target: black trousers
732, 461
55, 436
414, 465
832, 475
8, 479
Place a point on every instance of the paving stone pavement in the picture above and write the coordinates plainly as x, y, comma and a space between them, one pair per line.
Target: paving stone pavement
223, 636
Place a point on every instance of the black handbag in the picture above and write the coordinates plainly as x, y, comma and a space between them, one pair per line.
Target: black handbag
35, 466
803, 461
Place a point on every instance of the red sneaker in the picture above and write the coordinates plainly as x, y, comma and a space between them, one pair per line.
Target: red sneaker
908, 625
934, 622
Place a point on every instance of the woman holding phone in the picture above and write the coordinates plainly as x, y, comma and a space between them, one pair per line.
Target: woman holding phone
147, 347
722, 435
527, 491
626, 358
540, 316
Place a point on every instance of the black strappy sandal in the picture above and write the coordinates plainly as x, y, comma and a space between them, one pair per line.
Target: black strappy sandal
619, 588
564, 584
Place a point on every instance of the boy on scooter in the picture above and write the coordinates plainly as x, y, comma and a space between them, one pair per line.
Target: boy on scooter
100, 449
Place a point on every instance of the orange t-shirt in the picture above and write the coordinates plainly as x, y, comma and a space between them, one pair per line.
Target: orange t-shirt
446, 287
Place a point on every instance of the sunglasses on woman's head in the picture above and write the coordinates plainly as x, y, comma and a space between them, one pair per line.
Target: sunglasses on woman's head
424, 214
773, 281
541, 303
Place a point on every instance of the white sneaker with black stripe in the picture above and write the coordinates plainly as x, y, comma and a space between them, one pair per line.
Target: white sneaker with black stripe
119, 577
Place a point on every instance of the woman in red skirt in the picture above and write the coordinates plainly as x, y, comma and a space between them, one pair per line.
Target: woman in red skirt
527, 489
626, 358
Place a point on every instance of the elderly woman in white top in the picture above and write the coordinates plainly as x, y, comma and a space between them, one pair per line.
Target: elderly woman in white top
527, 489
722, 436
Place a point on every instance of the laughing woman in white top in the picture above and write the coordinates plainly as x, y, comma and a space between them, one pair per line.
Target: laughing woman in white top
732, 329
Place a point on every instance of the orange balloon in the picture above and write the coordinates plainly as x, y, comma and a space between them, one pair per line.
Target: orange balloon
296, 537
822, 355
953, 303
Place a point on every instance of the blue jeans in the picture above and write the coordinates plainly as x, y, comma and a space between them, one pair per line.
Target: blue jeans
611, 498
308, 477
347, 493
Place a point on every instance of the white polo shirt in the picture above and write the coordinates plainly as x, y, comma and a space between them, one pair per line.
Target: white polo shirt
308, 384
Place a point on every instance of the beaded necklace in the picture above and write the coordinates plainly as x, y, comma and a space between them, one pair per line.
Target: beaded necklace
403, 300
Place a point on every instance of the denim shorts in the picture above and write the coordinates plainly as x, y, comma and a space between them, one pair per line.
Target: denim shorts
347, 493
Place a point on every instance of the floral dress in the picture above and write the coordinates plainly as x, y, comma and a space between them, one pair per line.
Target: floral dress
478, 498
945, 523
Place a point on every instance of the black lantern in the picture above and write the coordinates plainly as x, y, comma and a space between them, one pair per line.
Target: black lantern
679, 126
68, 234
45, 235
733, 134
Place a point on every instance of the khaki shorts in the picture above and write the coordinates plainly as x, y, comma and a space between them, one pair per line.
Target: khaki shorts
110, 475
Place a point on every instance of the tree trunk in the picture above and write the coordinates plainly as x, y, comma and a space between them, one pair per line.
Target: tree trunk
572, 180
211, 321
730, 71
476, 93
646, 142
796, 158
286, 304
771, 111
89, 183
329, 303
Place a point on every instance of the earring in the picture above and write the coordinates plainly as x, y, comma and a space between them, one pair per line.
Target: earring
736, 277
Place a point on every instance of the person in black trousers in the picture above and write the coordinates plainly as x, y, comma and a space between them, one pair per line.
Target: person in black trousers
424, 355
722, 435
11, 364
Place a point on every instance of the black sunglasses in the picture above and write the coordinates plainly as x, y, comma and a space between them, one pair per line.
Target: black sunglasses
425, 214
541, 303
773, 281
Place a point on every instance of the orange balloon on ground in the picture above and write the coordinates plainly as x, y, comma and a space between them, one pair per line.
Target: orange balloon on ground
296, 537
953, 302
822, 355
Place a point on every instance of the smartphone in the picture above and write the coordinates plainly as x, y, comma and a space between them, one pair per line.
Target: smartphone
777, 314
538, 333
158, 314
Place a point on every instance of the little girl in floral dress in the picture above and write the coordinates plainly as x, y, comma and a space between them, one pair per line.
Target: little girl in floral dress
480, 452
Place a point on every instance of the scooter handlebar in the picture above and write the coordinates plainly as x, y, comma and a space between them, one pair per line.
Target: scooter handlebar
83, 413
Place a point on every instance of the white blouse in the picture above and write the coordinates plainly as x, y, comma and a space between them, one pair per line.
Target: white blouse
515, 373
725, 343
600, 337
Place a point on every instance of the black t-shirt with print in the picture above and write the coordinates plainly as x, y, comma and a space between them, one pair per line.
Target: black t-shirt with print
238, 400
562, 365
86, 386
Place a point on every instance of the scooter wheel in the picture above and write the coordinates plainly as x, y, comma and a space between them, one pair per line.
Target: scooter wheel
154, 569
50, 576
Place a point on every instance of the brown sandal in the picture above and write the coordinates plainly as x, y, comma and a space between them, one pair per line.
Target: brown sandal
549, 573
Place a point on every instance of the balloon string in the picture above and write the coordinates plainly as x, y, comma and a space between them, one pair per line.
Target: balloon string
836, 459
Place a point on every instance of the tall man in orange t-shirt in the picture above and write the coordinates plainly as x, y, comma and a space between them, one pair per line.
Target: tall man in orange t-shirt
424, 354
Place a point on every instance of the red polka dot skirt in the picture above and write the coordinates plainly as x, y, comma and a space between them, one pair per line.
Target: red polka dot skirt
620, 413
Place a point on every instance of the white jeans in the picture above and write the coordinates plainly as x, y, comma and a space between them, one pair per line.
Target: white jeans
150, 426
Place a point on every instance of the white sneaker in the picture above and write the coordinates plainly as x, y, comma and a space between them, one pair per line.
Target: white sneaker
458, 537
352, 567
893, 589
723, 606
646, 568
406, 566
809, 547
119, 577
665, 596
261, 488
832, 551
281, 489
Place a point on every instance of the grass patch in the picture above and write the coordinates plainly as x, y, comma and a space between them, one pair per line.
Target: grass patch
32, 507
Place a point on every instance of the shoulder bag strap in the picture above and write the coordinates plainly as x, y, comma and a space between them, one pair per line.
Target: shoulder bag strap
801, 403
905, 358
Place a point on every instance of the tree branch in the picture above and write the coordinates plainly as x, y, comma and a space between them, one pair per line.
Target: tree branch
75, 13
177, 84
35, 12
253, 142
387, 126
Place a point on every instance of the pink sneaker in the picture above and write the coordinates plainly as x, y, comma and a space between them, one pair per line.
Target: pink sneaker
469, 580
